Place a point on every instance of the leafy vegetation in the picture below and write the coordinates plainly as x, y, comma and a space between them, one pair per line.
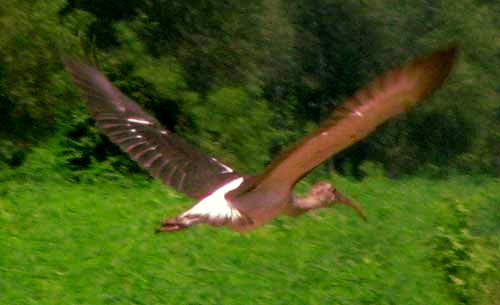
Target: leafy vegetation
425, 242
288, 63
243, 79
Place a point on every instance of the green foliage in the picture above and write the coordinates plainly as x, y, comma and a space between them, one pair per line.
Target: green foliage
31, 85
33, 91
452, 130
88, 155
464, 247
454, 253
245, 142
242, 79
217, 42
301, 57
93, 243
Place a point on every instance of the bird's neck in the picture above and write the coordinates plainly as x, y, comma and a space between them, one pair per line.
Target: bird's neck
300, 205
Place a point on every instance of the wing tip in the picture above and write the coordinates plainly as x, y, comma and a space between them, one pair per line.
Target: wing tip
435, 67
79, 69
73, 64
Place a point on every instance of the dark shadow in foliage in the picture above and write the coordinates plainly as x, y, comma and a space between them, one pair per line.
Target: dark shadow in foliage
108, 12
333, 49
493, 145
433, 138
348, 162
19, 129
82, 143
438, 138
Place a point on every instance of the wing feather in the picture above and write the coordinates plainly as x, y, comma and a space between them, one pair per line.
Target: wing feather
385, 97
161, 152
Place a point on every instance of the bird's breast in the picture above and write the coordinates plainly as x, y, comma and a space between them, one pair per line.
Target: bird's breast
261, 206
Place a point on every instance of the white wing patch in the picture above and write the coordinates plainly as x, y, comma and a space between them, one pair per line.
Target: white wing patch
215, 206
139, 121
227, 169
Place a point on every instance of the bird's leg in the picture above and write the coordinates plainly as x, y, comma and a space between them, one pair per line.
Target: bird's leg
170, 225
176, 224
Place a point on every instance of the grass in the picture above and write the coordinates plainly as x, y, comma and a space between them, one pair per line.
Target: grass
93, 243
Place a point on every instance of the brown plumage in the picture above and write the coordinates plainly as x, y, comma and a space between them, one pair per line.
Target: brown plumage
244, 202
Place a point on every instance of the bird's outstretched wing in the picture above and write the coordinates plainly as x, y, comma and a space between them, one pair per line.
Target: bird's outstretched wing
161, 152
386, 96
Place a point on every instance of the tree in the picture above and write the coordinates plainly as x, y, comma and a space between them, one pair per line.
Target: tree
33, 90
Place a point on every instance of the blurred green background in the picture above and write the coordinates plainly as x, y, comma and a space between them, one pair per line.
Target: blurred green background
243, 79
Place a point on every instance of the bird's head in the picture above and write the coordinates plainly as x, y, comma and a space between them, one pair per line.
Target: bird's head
326, 193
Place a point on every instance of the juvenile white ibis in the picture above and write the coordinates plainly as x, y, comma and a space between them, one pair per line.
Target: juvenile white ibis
242, 202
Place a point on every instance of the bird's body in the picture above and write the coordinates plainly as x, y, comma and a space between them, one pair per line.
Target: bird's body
237, 211
243, 202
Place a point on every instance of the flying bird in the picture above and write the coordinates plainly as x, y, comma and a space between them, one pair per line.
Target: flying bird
240, 201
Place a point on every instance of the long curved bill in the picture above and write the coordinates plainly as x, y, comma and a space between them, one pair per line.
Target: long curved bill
341, 199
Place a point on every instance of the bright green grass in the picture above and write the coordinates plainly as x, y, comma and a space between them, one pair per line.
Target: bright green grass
64, 243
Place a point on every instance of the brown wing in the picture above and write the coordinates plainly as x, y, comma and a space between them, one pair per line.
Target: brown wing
161, 152
385, 97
